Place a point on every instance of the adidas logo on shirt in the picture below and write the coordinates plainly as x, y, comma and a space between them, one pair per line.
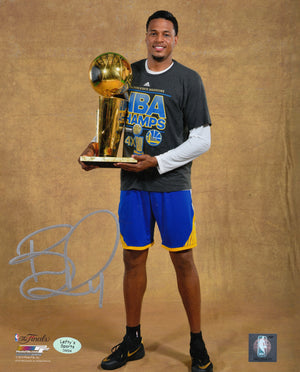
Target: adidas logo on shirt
147, 84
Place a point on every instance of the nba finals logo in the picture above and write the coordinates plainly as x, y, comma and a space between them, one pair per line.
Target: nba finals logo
262, 347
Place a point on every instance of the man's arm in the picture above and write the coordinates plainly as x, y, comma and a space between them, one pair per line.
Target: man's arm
198, 142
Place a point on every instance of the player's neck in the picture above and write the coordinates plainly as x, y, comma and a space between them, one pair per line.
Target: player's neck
156, 65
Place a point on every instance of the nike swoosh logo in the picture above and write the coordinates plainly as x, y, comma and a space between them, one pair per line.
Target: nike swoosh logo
204, 367
135, 351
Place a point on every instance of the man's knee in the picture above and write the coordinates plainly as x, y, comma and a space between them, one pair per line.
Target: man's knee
183, 260
134, 259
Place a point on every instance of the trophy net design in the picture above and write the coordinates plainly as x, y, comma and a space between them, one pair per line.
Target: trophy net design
110, 75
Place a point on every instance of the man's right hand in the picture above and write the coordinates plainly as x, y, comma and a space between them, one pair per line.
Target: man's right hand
91, 150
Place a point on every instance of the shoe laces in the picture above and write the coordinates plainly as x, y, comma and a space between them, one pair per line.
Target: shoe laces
120, 349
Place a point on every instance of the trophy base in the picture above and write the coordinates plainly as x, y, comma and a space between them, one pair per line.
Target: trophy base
106, 161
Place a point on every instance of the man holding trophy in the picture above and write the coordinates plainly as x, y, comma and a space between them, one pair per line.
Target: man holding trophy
166, 126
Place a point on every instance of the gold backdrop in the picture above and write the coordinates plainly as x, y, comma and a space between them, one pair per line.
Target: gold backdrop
245, 189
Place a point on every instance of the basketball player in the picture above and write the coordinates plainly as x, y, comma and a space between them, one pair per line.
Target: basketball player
168, 125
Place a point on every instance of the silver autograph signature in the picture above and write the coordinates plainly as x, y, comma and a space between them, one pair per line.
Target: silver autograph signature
67, 288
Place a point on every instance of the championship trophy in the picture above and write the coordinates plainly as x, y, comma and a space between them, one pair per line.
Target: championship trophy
110, 75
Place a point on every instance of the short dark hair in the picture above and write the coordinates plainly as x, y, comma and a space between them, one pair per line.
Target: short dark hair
166, 15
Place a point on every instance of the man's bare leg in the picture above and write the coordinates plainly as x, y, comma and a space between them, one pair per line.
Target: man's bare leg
189, 289
188, 286
134, 284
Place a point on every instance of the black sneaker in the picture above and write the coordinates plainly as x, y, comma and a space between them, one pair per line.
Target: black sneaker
197, 366
122, 353
200, 357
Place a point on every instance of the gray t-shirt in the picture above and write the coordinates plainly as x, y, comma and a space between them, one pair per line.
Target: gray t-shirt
162, 110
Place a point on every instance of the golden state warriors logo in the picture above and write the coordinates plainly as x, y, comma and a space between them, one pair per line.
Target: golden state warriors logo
153, 137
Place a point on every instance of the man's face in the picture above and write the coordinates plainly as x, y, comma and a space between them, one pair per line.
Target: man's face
160, 39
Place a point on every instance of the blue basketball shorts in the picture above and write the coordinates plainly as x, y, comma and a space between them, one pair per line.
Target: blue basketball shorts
172, 211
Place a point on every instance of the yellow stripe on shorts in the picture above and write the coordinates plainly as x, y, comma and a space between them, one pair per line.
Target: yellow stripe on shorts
191, 242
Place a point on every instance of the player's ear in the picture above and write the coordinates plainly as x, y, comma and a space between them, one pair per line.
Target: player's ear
175, 40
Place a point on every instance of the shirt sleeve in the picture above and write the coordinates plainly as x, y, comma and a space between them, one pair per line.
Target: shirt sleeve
198, 142
195, 109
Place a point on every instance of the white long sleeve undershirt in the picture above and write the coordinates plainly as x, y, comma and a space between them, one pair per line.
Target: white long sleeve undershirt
198, 142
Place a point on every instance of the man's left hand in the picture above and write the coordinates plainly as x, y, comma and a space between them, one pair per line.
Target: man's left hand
143, 162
